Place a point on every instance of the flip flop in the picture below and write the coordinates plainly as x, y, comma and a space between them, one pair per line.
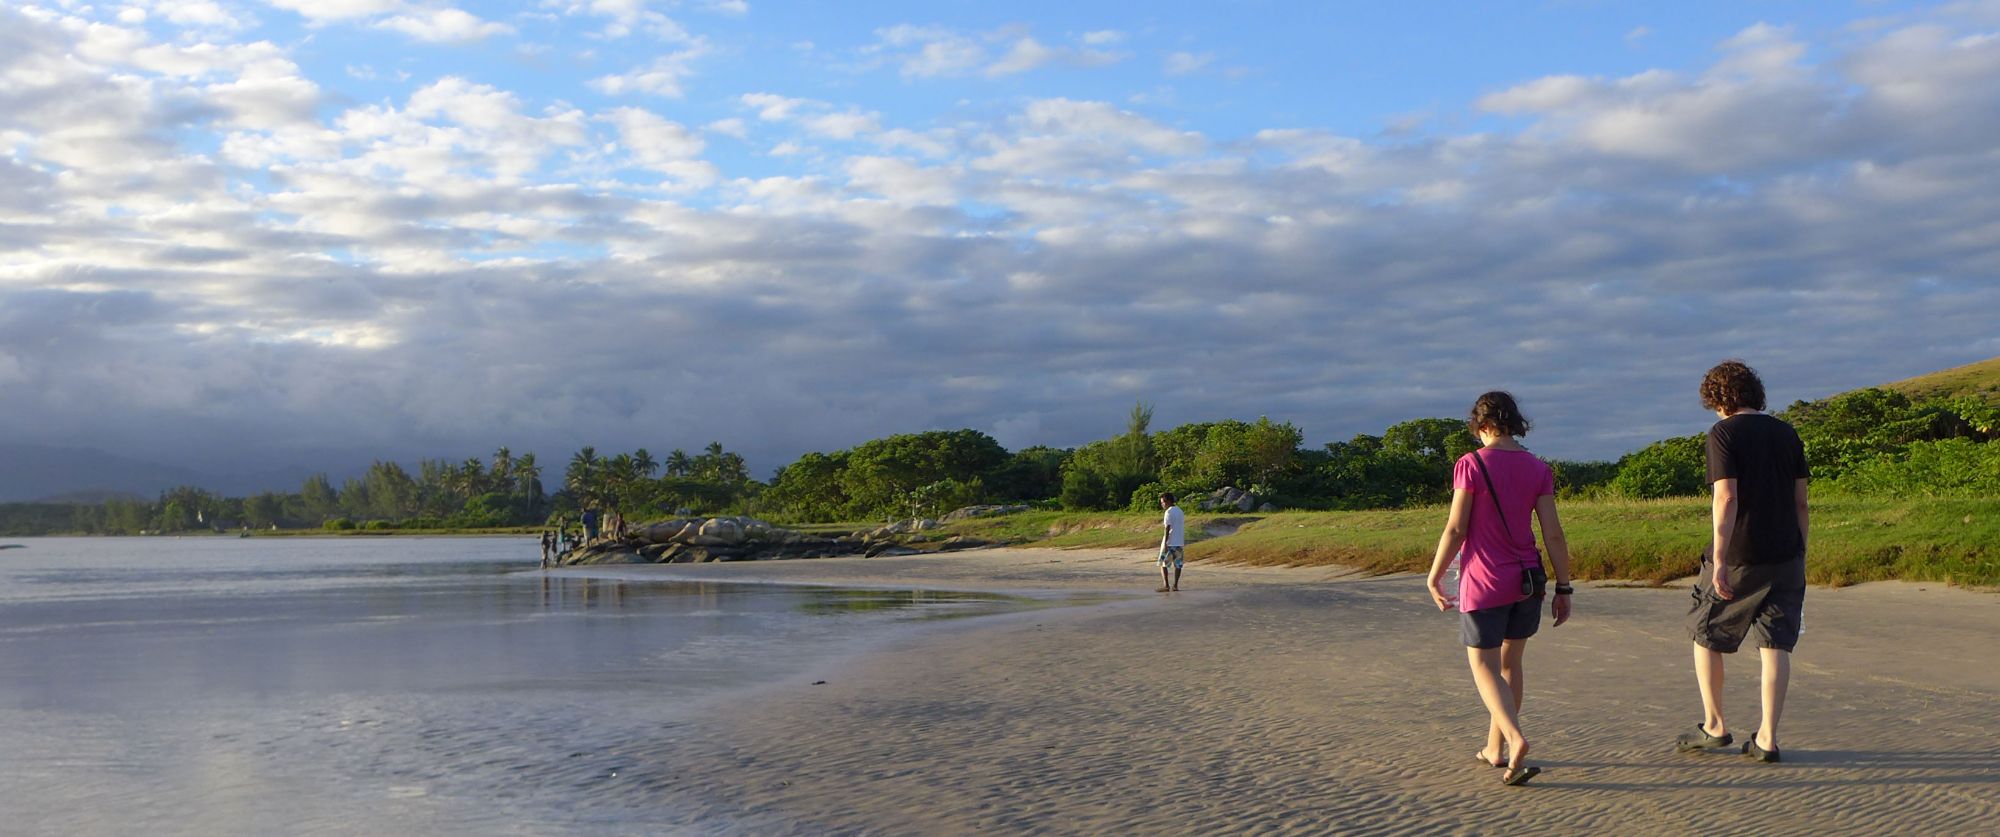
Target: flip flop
1482, 760
1699, 739
1519, 777
1751, 749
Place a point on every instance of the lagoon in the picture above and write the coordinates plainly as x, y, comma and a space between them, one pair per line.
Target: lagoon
395, 685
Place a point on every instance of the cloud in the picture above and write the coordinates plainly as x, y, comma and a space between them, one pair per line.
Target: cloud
1187, 63
1029, 54
629, 16
444, 26
934, 52
663, 77
202, 252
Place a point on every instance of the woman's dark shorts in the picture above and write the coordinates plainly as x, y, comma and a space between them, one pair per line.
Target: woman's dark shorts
1486, 628
1770, 604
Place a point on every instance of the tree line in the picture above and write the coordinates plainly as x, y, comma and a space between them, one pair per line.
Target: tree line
1870, 442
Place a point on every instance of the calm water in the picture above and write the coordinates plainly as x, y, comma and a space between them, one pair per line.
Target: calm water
374, 686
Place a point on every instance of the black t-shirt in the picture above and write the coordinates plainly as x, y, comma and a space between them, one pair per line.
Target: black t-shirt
1766, 458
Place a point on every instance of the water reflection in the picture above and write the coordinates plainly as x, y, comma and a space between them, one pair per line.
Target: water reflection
245, 687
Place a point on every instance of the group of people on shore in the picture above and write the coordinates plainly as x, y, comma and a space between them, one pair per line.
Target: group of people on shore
1751, 585
591, 525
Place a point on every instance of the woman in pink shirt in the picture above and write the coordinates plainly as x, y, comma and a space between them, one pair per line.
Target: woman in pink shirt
1495, 490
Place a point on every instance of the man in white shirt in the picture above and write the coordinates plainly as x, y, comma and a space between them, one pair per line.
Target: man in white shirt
1171, 545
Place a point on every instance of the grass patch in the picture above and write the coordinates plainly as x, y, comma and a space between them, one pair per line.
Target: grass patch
1654, 541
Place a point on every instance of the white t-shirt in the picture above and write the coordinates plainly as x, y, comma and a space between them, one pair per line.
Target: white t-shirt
1176, 531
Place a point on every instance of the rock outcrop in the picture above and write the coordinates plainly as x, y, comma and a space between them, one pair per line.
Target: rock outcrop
700, 540
1228, 497
983, 511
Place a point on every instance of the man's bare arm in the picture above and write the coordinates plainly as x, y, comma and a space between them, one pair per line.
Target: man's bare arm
1724, 512
1799, 492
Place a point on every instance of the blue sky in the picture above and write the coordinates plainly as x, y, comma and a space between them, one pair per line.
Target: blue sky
327, 229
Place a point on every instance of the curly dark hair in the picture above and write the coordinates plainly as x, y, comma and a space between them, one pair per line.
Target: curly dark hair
1731, 386
1498, 411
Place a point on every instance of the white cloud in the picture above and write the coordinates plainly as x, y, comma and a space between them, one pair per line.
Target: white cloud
1187, 63
444, 26
932, 52
323, 11
772, 107
663, 77
625, 17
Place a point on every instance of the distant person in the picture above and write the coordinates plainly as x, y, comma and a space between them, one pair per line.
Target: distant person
589, 524
1753, 574
548, 547
1501, 583
1173, 544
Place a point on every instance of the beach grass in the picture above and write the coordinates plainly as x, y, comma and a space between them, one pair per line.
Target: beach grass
1649, 541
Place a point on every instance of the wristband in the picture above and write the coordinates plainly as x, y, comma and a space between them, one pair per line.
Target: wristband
1565, 590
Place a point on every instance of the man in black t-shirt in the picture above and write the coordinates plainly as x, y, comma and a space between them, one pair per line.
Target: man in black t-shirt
1753, 576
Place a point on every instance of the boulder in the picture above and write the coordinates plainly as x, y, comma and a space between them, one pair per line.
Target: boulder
719, 531
963, 542
659, 532
983, 511
1267, 508
889, 550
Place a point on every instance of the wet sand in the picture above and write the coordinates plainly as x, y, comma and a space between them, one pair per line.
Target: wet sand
1314, 701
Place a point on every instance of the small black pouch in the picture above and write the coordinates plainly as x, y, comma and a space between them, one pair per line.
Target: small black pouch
1534, 582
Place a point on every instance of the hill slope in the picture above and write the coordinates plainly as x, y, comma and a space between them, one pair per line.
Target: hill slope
1980, 379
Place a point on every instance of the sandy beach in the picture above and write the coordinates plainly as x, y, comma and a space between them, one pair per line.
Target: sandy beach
1315, 701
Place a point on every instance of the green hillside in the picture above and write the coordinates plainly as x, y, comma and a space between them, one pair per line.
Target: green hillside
1980, 379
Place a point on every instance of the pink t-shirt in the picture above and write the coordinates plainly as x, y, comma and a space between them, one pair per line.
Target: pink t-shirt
1490, 573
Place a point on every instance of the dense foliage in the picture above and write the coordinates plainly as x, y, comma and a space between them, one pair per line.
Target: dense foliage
1872, 442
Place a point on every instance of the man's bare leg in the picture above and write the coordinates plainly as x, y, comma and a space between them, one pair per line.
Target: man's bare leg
1777, 675
1164, 586
1708, 676
1499, 700
1177, 578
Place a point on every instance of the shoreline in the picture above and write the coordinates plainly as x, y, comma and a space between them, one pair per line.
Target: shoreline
1307, 700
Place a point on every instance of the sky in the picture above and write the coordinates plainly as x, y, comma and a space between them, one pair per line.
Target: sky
317, 231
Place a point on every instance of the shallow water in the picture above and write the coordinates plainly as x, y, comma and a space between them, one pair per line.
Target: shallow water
377, 686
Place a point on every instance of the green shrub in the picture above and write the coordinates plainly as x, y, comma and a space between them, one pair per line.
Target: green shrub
1667, 468
378, 525
1947, 468
338, 524
1083, 490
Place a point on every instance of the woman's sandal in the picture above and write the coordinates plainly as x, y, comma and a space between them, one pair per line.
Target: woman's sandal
1751, 749
1518, 776
1698, 739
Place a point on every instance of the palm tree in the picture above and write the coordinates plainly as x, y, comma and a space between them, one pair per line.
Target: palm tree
678, 463
503, 470
643, 460
582, 475
528, 473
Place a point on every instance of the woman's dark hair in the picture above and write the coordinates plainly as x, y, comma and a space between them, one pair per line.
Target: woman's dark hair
1498, 411
1731, 386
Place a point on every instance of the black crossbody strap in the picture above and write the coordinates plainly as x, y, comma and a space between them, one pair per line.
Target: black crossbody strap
1480, 463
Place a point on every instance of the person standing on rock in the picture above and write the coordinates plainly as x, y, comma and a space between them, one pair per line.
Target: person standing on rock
548, 547
1173, 543
1501, 586
1753, 574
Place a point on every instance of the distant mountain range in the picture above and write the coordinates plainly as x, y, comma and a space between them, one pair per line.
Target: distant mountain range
62, 474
